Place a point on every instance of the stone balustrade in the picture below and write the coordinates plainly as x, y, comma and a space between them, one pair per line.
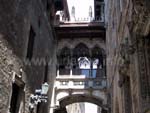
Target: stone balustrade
80, 82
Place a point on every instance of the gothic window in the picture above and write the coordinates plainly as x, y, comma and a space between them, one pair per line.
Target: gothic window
82, 62
97, 62
80, 50
64, 59
97, 56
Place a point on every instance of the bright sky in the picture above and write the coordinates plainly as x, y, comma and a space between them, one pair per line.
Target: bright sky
90, 108
81, 7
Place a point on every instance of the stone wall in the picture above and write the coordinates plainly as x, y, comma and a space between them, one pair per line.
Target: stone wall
9, 62
17, 18
126, 20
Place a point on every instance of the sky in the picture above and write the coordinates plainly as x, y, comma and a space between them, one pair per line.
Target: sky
90, 108
81, 7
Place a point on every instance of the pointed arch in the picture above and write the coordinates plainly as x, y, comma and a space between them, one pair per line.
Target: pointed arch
98, 62
81, 98
98, 55
65, 51
64, 59
80, 57
97, 51
81, 50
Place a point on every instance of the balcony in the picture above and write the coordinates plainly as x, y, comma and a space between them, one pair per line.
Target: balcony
87, 73
81, 79
60, 17
61, 20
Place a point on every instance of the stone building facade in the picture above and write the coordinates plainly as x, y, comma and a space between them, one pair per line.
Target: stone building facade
127, 35
26, 54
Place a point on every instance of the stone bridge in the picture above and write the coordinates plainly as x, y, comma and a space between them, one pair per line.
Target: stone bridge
71, 88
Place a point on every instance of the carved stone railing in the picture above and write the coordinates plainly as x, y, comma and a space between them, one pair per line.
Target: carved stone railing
88, 73
83, 19
79, 82
60, 18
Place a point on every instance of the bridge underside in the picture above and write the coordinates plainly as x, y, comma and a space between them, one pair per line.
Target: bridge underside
79, 98
63, 110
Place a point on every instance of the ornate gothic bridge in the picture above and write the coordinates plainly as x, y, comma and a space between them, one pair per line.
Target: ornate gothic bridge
80, 88
81, 63
81, 77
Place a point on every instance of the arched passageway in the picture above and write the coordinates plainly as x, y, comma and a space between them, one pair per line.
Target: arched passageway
77, 98
80, 98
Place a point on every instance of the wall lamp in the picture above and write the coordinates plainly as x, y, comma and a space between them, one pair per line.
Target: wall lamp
39, 96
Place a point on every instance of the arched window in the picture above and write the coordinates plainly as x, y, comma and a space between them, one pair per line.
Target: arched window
64, 59
82, 61
81, 50
81, 64
97, 62
97, 56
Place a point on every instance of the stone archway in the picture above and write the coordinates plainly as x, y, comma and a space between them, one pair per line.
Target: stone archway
63, 102
81, 98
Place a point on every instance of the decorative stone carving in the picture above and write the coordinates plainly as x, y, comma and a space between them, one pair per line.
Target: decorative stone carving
140, 17
125, 51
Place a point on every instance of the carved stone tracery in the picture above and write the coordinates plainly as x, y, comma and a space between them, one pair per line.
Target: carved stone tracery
140, 17
125, 51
